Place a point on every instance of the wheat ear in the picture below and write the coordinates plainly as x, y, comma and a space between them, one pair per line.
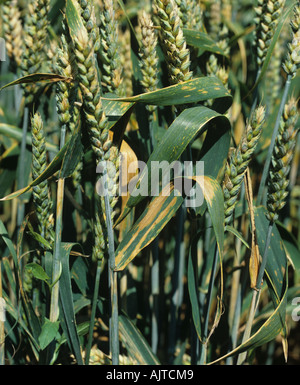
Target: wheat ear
281, 161
41, 192
13, 30
109, 53
98, 130
148, 55
292, 61
176, 52
35, 31
267, 17
239, 161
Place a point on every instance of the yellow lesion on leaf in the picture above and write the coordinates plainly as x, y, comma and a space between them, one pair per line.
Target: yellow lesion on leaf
154, 217
67, 247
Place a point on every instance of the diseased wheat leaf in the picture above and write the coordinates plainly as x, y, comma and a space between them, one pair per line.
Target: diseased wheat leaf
192, 91
160, 211
202, 41
190, 123
266, 333
36, 78
136, 344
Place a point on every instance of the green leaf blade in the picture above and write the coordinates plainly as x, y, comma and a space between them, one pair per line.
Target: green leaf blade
136, 344
48, 333
192, 91
37, 271
36, 78
66, 299
202, 41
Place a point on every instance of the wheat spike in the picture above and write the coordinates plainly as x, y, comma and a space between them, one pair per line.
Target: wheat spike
13, 30
176, 52
281, 161
41, 191
239, 161
267, 17
35, 31
109, 53
292, 61
126, 63
148, 55
98, 130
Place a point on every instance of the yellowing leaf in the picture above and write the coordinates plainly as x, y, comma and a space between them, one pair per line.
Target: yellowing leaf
159, 212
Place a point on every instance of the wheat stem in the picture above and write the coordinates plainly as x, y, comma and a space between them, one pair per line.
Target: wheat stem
63, 97
56, 265
208, 306
2, 320
93, 312
255, 295
104, 151
21, 167
112, 276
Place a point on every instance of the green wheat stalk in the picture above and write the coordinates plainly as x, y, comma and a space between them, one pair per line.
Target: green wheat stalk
64, 67
104, 151
95, 119
215, 19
